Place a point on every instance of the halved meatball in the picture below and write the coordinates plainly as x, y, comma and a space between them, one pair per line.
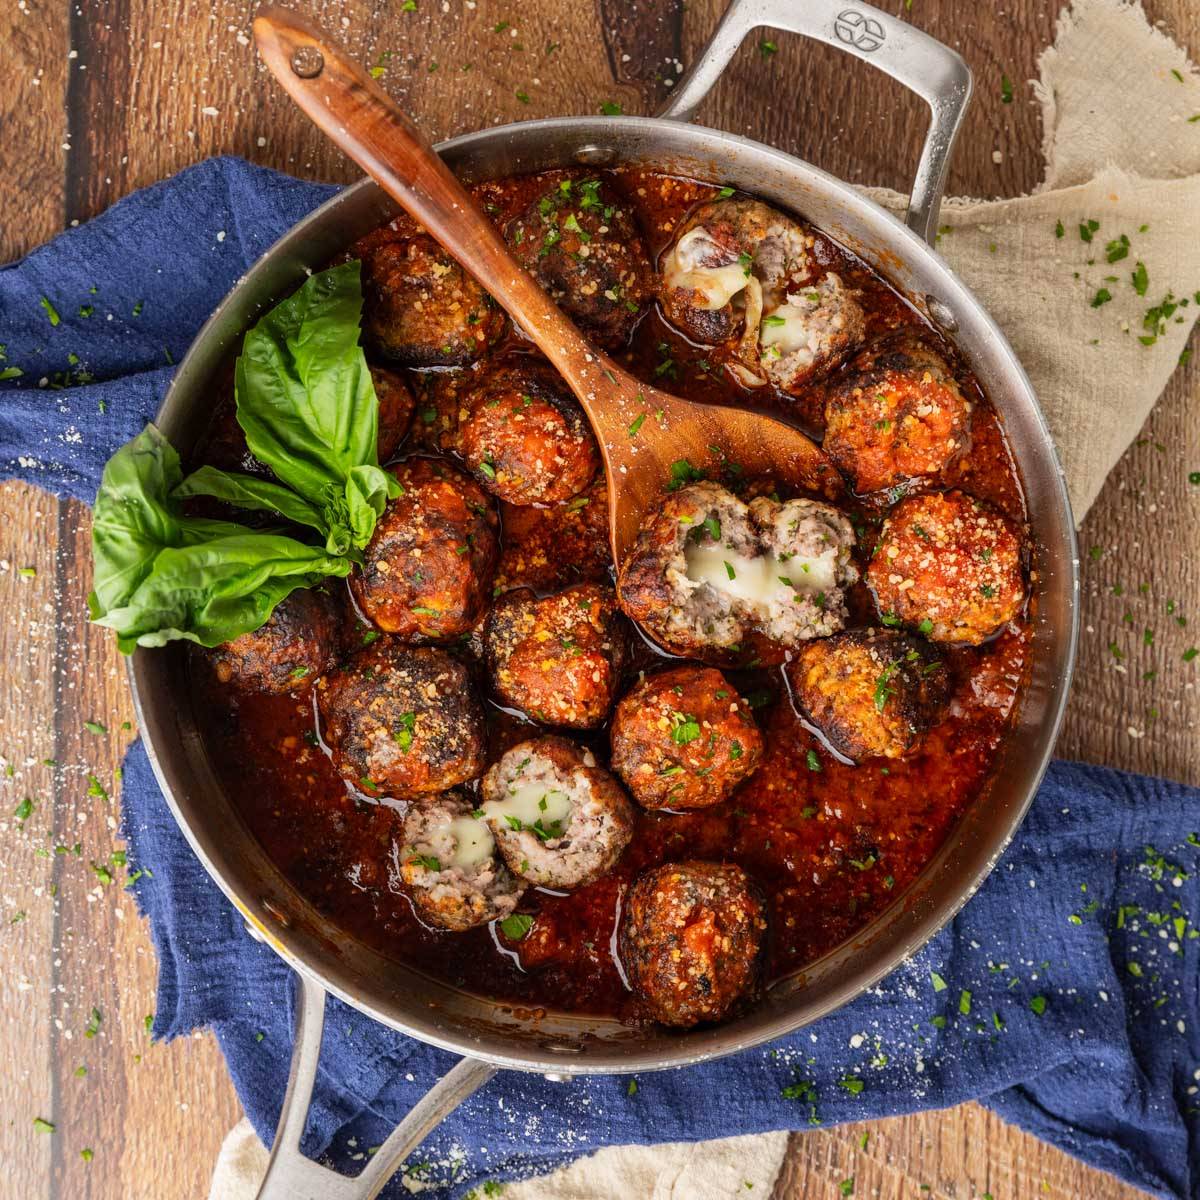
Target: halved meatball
871, 692
449, 864
560, 658
298, 643
395, 410
581, 242
691, 940
740, 271
402, 721
525, 437
949, 566
895, 413
559, 820
684, 739
427, 570
421, 309
708, 571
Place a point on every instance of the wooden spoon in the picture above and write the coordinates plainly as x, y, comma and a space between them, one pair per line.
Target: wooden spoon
641, 431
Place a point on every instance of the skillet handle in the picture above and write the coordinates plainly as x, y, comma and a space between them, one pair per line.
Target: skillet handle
291, 1176
935, 72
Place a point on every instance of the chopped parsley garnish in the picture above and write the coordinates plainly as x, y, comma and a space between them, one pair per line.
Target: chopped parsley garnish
51, 311
684, 728
814, 763
609, 108
42, 1125
889, 619
1038, 1005
1117, 249
1102, 296
636, 424
427, 861
766, 48
1087, 228
883, 693
403, 735
1006, 90
515, 927
1140, 279
682, 472
729, 570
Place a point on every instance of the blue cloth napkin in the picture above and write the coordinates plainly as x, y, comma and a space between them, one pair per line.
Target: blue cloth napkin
1064, 996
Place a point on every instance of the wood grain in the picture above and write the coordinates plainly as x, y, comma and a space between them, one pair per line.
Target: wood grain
136, 104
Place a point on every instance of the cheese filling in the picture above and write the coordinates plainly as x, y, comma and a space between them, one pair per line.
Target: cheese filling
462, 844
531, 803
714, 286
759, 580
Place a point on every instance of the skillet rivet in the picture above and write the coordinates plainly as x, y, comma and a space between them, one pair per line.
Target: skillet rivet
308, 62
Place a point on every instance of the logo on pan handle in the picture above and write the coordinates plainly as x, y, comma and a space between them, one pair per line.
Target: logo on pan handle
861, 32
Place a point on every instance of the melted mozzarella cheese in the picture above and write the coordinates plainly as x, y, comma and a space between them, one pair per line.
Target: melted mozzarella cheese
463, 843
759, 580
715, 285
530, 803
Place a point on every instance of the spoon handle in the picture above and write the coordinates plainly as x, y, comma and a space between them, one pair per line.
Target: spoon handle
357, 115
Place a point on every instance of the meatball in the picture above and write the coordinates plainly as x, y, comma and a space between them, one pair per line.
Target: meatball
402, 721
738, 271
298, 643
421, 308
525, 438
448, 863
548, 548
707, 571
895, 413
949, 566
691, 940
872, 692
581, 243
395, 410
684, 739
560, 658
427, 570
559, 820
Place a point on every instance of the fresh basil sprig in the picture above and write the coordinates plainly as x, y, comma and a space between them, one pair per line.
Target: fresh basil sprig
308, 408
309, 411
161, 575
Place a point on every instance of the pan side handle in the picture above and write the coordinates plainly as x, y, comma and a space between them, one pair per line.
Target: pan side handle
291, 1176
935, 72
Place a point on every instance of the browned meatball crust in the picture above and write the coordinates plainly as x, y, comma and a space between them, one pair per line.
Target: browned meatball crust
427, 570
559, 659
684, 739
691, 940
421, 308
895, 413
525, 438
581, 242
395, 410
298, 643
402, 721
949, 566
871, 692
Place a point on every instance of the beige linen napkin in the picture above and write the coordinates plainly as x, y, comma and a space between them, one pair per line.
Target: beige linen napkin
1099, 338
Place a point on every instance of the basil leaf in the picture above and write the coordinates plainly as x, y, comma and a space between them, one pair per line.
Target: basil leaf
247, 491
214, 591
307, 405
161, 575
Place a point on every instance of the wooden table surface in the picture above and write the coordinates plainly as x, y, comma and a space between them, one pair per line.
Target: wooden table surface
105, 96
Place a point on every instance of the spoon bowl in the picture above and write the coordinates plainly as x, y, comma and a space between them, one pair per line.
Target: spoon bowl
642, 432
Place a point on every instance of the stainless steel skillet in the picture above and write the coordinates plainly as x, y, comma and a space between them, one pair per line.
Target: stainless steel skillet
560, 1045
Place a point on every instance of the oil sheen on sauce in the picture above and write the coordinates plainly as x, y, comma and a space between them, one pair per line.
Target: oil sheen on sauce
832, 847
